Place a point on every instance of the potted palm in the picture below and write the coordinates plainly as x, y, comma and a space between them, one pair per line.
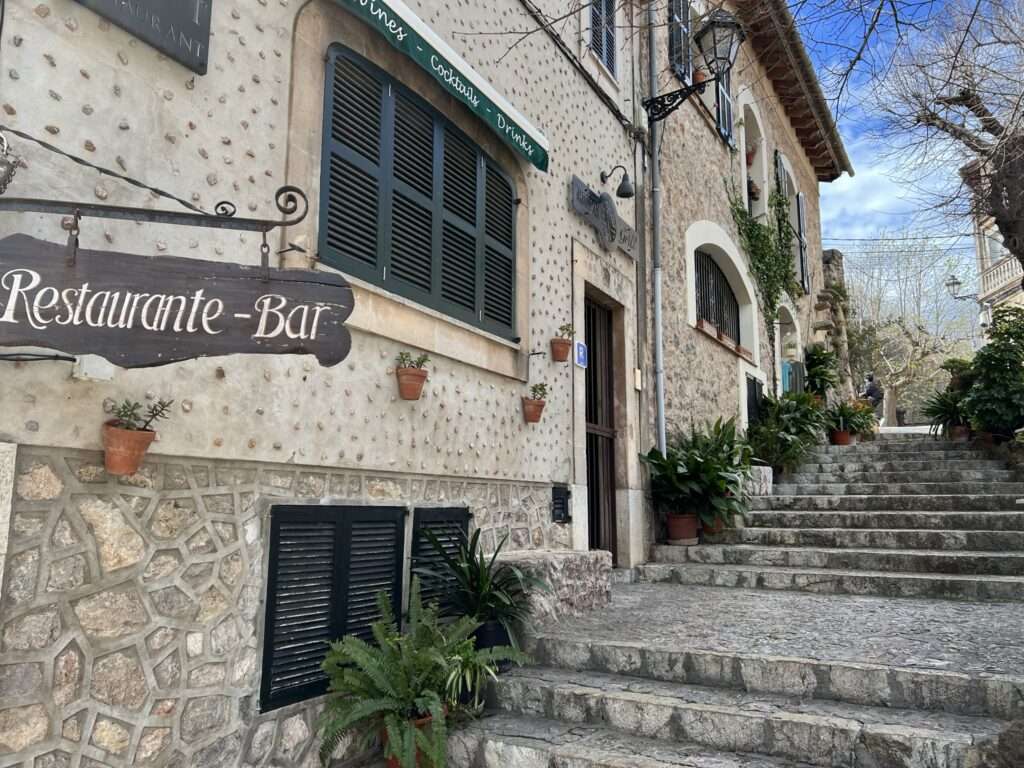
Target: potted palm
701, 478
533, 406
128, 435
402, 688
479, 585
412, 374
561, 345
945, 411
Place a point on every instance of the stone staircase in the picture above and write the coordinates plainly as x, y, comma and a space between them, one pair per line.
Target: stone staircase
826, 670
906, 516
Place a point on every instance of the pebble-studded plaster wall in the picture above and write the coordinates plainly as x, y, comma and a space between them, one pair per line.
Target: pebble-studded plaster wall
131, 612
90, 88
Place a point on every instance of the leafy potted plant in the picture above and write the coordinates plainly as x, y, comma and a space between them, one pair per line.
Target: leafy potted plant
786, 430
945, 411
561, 345
821, 370
478, 585
839, 418
401, 689
412, 374
128, 435
533, 406
995, 401
700, 477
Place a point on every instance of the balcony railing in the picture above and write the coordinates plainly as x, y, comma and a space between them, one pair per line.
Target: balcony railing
1000, 275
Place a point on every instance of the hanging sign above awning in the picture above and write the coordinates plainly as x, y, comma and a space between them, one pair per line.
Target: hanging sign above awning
143, 311
407, 32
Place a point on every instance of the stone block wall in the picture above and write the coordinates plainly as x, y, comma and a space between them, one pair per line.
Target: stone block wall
131, 610
578, 581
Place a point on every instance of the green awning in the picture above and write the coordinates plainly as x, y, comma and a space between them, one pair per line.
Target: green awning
407, 32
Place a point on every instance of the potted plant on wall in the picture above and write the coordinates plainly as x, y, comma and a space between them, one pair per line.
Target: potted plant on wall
479, 585
128, 435
561, 345
533, 406
412, 374
700, 479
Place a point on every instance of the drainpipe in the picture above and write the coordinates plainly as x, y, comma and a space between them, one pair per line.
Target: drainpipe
655, 140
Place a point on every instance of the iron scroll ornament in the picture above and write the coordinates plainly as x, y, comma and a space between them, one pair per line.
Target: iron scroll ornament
290, 201
660, 107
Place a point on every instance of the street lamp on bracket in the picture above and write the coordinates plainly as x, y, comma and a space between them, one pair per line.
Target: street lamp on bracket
718, 40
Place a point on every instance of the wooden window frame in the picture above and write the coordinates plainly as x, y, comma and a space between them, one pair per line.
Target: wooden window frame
503, 267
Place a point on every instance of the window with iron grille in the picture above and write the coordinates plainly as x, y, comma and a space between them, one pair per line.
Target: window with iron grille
326, 567
723, 106
680, 55
410, 203
602, 32
716, 301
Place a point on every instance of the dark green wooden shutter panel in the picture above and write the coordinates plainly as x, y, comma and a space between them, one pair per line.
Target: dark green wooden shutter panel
500, 208
301, 589
352, 212
355, 122
499, 263
451, 526
499, 285
609, 35
597, 28
801, 222
414, 146
375, 544
458, 267
411, 242
460, 177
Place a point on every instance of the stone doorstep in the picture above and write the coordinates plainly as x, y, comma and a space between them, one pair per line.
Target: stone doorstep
888, 502
837, 582
852, 538
512, 741
823, 733
886, 519
907, 476
807, 679
850, 559
966, 488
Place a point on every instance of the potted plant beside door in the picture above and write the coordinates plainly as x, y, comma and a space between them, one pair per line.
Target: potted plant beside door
128, 435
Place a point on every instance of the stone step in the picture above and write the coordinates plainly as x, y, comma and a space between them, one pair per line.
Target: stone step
847, 538
822, 733
892, 502
887, 519
885, 560
901, 489
515, 741
889, 465
902, 477
822, 581
899, 446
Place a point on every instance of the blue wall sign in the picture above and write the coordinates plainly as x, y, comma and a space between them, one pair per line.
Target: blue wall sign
582, 354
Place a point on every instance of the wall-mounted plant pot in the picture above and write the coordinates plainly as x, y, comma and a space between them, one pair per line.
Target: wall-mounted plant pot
682, 529
410, 382
532, 409
959, 433
124, 449
699, 76
560, 349
839, 437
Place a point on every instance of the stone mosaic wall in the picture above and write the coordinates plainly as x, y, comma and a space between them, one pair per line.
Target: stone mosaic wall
131, 610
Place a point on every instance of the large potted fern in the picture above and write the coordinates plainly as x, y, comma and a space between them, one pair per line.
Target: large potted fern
401, 690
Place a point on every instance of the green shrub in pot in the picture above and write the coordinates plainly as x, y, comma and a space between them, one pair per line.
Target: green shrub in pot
995, 401
787, 429
945, 411
840, 419
821, 366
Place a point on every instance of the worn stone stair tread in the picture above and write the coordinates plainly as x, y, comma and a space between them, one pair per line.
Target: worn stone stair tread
949, 502
838, 581
505, 740
880, 519
954, 488
904, 477
563, 689
897, 539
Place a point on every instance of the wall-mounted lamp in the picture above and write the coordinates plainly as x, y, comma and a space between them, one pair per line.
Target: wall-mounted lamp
718, 40
953, 285
625, 190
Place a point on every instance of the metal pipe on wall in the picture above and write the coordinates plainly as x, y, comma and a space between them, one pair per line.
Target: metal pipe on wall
655, 142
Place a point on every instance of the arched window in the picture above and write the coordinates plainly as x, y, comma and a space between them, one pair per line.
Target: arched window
716, 300
410, 203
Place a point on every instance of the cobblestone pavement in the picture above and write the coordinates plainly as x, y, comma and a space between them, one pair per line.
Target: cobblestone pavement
925, 634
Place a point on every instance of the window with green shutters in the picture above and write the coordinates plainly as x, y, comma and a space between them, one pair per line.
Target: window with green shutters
410, 203
602, 32
680, 55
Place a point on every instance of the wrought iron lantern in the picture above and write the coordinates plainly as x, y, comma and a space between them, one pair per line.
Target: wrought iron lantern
718, 40
8, 165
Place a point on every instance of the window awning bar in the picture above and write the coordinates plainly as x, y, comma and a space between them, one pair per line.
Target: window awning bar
405, 31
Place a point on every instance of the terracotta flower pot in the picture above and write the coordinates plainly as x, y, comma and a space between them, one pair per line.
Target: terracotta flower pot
714, 528
532, 409
420, 724
751, 154
839, 437
682, 528
560, 349
959, 433
410, 382
699, 76
124, 449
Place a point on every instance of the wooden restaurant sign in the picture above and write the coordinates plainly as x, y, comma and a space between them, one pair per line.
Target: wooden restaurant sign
141, 311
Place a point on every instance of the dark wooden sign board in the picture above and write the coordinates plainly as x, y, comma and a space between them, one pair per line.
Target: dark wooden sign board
178, 28
599, 211
143, 311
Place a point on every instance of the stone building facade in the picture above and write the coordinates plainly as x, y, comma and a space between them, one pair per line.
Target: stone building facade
133, 609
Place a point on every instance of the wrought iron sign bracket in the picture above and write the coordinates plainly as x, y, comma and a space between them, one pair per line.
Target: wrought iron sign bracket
291, 202
660, 107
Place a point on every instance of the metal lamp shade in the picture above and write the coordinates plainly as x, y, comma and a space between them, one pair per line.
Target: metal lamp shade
953, 285
719, 41
625, 190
